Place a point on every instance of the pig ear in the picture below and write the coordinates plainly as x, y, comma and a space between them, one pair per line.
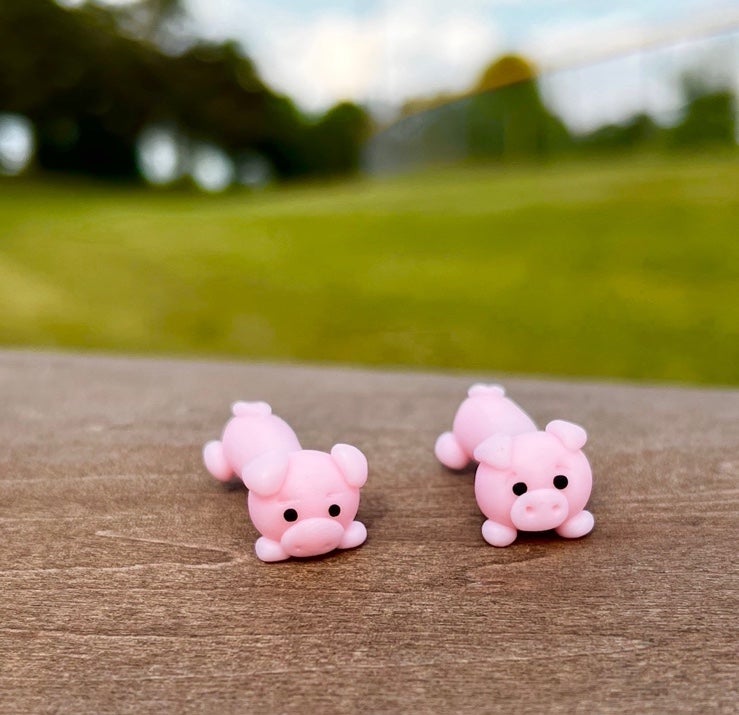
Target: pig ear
265, 474
351, 462
571, 435
495, 451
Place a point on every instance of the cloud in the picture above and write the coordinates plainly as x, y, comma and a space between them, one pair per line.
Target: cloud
384, 56
433, 52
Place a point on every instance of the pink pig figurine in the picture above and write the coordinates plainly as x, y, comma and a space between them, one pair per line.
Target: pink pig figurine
302, 501
526, 479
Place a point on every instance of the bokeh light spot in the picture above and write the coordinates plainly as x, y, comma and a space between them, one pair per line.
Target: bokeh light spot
211, 168
159, 156
17, 143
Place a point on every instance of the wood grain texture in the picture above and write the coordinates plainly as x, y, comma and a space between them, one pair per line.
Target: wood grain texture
129, 581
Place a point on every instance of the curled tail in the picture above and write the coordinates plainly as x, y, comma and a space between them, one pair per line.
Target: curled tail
243, 409
479, 389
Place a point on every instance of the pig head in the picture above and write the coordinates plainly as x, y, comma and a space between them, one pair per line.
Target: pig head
304, 502
534, 481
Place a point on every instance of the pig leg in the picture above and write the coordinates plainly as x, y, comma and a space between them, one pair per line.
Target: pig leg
577, 526
355, 534
269, 550
450, 452
215, 461
498, 534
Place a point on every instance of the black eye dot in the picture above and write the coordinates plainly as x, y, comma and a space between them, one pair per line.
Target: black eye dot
519, 488
290, 515
334, 510
560, 481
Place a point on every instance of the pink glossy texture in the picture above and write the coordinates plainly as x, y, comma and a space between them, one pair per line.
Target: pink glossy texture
303, 502
527, 480
485, 412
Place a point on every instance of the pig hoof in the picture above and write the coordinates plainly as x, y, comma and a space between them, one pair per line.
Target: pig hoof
268, 550
579, 525
450, 453
355, 534
215, 461
498, 534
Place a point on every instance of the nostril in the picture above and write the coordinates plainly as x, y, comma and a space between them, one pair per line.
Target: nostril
556, 508
529, 509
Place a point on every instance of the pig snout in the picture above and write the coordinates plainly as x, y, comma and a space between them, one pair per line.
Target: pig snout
312, 537
539, 510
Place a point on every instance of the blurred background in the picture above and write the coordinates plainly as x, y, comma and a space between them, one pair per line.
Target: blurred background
540, 187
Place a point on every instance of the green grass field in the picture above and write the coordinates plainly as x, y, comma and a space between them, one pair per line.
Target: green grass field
626, 269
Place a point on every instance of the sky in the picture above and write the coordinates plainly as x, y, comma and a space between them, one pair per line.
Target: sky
383, 52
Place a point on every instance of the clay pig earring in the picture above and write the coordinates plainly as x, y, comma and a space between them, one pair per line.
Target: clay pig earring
526, 480
302, 502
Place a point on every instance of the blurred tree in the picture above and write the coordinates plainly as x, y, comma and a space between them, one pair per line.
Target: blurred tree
337, 139
60, 69
638, 132
709, 117
507, 118
90, 88
504, 72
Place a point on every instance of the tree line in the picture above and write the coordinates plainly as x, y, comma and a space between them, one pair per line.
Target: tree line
90, 89
91, 80
502, 117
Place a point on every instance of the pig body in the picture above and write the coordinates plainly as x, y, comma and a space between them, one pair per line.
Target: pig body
252, 431
302, 502
527, 480
485, 412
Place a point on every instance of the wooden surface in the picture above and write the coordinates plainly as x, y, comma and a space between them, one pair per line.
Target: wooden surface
129, 581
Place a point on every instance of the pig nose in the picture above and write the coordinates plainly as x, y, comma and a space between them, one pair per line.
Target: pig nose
539, 510
312, 537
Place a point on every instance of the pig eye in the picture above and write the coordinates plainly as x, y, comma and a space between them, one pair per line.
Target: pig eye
560, 481
290, 515
334, 510
519, 488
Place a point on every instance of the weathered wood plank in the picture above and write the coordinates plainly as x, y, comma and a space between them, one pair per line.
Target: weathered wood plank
129, 582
